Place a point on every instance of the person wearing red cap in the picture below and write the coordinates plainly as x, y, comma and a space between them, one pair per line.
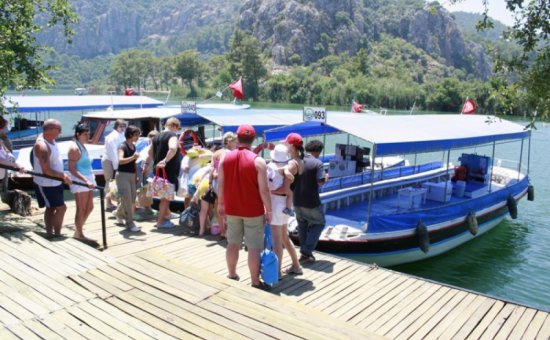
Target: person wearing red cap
243, 196
307, 203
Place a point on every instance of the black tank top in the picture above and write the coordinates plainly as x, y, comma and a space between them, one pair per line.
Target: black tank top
128, 151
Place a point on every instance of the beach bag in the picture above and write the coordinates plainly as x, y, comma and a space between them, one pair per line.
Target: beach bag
160, 187
113, 190
269, 263
143, 199
190, 217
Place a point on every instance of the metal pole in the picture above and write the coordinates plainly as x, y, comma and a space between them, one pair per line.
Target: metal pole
103, 224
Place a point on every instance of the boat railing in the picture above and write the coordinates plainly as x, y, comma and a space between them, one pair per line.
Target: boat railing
367, 177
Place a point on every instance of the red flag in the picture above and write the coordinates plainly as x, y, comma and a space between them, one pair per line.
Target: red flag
356, 107
237, 88
469, 107
129, 91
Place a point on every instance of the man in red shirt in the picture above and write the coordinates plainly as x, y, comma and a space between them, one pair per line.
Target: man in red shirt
243, 196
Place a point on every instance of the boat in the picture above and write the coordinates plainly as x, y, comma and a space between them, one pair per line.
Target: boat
27, 113
463, 181
81, 91
101, 123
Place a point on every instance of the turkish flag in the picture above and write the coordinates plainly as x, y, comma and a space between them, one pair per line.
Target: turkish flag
469, 107
237, 88
356, 107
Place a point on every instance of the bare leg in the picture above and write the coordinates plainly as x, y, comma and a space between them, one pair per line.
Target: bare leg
232, 257
203, 214
57, 220
84, 206
164, 210
289, 246
277, 243
254, 265
48, 220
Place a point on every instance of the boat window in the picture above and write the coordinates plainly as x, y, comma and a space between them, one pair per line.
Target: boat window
93, 125
109, 127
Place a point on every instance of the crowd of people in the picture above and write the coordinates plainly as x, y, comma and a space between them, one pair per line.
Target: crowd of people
230, 183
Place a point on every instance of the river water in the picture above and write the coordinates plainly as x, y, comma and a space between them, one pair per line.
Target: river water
511, 262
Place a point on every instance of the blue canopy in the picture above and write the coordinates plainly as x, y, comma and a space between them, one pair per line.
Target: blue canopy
260, 119
304, 129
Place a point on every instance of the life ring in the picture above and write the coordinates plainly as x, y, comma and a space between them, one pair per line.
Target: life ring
423, 237
263, 146
186, 133
471, 220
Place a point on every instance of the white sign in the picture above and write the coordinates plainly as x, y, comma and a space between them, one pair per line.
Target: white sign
315, 114
188, 107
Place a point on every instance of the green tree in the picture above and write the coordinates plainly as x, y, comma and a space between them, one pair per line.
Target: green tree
189, 67
246, 60
132, 68
21, 65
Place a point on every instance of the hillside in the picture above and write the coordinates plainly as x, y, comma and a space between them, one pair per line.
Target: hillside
292, 32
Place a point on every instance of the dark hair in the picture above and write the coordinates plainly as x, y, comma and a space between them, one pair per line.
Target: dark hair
3, 122
315, 146
131, 130
79, 129
246, 140
119, 122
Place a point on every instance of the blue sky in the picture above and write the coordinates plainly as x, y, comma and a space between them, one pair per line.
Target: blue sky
497, 9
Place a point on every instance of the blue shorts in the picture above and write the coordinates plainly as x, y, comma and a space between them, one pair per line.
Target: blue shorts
191, 189
49, 197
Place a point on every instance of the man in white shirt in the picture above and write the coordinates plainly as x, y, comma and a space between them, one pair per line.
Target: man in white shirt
109, 160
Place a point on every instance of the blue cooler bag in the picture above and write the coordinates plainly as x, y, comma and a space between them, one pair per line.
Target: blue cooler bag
269, 264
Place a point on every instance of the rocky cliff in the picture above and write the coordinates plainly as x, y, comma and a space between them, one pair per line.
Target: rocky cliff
290, 31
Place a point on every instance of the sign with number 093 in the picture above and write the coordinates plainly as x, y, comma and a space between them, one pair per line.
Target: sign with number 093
315, 114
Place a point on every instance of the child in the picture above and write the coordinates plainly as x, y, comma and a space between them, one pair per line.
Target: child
277, 170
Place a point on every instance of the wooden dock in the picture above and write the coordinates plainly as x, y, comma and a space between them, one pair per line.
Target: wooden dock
172, 284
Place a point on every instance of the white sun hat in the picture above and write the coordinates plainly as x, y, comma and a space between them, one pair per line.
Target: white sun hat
279, 154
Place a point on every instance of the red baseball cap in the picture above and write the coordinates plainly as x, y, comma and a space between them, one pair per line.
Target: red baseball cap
294, 139
246, 131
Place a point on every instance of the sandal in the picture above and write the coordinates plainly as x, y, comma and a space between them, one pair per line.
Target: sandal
236, 277
262, 286
293, 270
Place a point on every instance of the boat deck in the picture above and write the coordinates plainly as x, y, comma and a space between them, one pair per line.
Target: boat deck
171, 284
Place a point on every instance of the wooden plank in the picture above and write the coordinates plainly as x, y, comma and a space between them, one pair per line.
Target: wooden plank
6, 334
277, 325
267, 304
100, 283
434, 320
126, 318
449, 329
364, 301
386, 303
42, 331
125, 328
113, 281
33, 278
486, 320
493, 328
401, 323
92, 287
403, 308
194, 323
10, 293
544, 332
14, 308
23, 332
101, 326
77, 325
475, 318
523, 323
510, 323
6, 318
159, 323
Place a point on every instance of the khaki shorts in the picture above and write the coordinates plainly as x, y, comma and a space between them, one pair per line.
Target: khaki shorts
108, 170
252, 228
